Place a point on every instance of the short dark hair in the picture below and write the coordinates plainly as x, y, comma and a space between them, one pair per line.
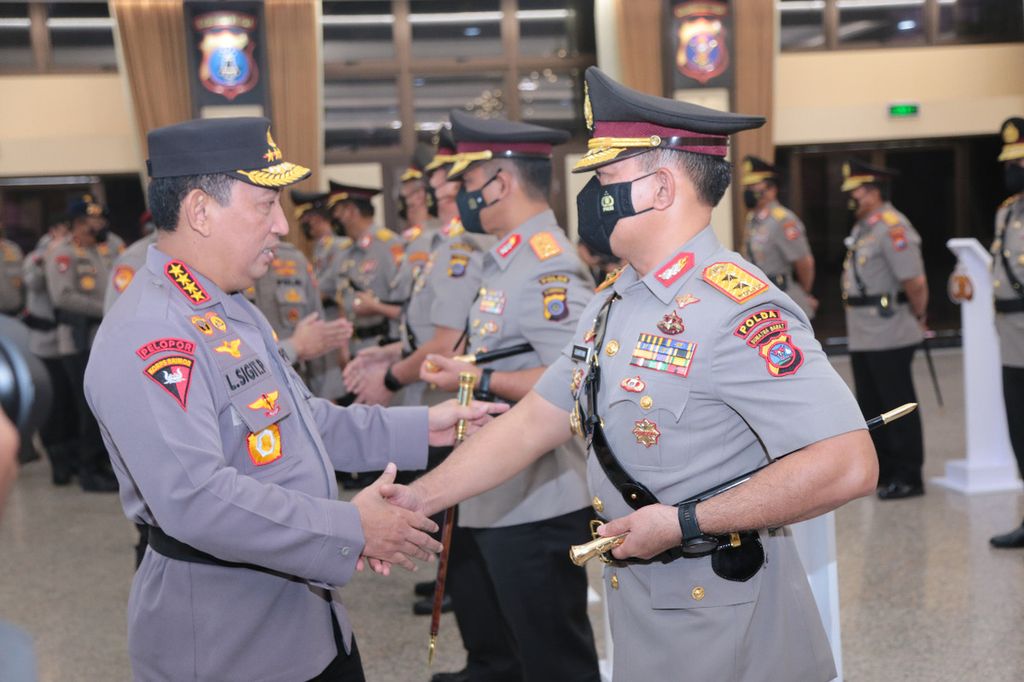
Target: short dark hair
534, 175
364, 206
166, 195
710, 175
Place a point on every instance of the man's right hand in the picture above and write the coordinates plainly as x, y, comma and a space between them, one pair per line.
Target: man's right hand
314, 337
393, 534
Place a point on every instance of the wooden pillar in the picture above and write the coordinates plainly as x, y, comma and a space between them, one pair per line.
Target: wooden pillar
640, 25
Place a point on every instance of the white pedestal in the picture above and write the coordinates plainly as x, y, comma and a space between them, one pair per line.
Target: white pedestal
989, 465
816, 543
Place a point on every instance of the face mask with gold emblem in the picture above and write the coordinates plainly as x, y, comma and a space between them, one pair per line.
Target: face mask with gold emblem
599, 207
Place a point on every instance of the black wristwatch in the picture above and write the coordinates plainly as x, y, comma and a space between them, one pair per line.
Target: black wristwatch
695, 542
391, 382
483, 385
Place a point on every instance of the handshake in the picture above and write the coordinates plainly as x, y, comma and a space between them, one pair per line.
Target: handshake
396, 528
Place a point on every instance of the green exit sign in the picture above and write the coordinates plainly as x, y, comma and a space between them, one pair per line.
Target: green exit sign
904, 110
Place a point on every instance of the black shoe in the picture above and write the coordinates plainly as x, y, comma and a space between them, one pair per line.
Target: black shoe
97, 483
1012, 540
898, 490
425, 588
425, 606
61, 467
459, 676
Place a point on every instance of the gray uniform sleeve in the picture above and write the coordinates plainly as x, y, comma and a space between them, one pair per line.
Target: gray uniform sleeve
554, 302
175, 457
455, 282
553, 385
901, 246
366, 438
60, 280
791, 238
777, 378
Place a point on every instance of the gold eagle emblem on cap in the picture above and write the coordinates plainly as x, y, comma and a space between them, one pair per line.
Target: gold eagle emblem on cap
588, 111
1010, 134
274, 153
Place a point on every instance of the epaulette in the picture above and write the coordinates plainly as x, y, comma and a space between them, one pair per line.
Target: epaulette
411, 233
385, 235
610, 279
779, 213
1009, 201
733, 281
890, 218
544, 246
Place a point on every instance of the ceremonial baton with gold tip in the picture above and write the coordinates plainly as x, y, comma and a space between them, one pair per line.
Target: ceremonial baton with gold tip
467, 380
600, 546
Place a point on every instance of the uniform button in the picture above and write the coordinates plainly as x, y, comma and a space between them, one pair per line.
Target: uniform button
697, 593
647, 402
345, 551
612, 347
996, 283
598, 504
615, 582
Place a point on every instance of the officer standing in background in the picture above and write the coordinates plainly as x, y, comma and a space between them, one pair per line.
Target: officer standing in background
12, 290
533, 289
219, 446
77, 272
371, 262
130, 261
776, 240
289, 298
685, 371
329, 251
1008, 282
59, 431
886, 297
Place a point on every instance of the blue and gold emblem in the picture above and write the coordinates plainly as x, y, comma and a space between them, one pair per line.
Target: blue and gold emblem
228, 67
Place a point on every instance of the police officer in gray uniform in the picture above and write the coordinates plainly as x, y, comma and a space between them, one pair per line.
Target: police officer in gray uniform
77, 272
12, 290
372, 261
289, 298
687, 370
886, 297
329, 251
533, 289
776, 240
128, 263
1008, 276
222, 450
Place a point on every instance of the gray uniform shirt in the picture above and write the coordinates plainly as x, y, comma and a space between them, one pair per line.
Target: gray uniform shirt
216, 440
329, 257
707, 371
285, 295
12, 292
125, 267
42, 342
372, 265
76, 278
533, 289
776, 238
1009, 243
885, 250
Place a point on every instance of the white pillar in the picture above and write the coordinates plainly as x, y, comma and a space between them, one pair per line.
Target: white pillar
989, 465
816, 543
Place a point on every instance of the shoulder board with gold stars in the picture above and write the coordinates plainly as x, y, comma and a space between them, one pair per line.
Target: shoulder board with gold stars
1009, 201
733, 281
544, 246
344, 242
779, 213
890, 218
385, 235
181, 277
610, 279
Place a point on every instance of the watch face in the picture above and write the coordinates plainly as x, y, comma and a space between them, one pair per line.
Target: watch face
699, 546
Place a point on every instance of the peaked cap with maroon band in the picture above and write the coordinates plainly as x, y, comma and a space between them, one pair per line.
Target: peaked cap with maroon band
340, 192
445, 153
857, 173
624, 123
482, 139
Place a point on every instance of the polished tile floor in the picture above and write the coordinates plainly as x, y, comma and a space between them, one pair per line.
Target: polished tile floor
923, 597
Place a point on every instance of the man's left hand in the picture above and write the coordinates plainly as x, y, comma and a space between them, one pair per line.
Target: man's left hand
444, 416
652, 530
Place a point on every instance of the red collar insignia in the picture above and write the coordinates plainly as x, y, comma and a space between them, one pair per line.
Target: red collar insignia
675, 268
185, 281
509, 245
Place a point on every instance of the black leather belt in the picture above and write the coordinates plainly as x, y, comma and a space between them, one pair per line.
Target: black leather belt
634, 493
668, 556
1010, 305
862, 301
164, 544
373, 330
328, 303
38, 323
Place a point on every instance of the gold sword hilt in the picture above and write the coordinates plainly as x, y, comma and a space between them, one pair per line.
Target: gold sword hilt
598, 547
467, 381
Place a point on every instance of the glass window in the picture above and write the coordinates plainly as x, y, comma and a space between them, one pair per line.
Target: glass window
872, 22
357, 31
801, 24
436, 96
459, 29
15, 41
553, 98
81, 35
981, 21
556, 28
361, 113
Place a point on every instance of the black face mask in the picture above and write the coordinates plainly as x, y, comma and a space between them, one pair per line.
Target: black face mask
403, 208
750, 198
431, 202
338, 228
101, 235
470, 204
1013, 176
852, 205
307, 230
599, 207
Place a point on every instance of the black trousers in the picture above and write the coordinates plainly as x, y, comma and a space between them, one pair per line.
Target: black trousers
345, 667
882, 381
1013, 396
61, 425
91, 453
541, 596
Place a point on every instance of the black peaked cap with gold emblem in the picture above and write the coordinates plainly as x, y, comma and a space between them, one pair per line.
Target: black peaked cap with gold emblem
483, 139
445, 153
857, 173
757, 170
242, 148
85, 205
1012, 132
421, 157
342, 192
308, 201
624, 122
